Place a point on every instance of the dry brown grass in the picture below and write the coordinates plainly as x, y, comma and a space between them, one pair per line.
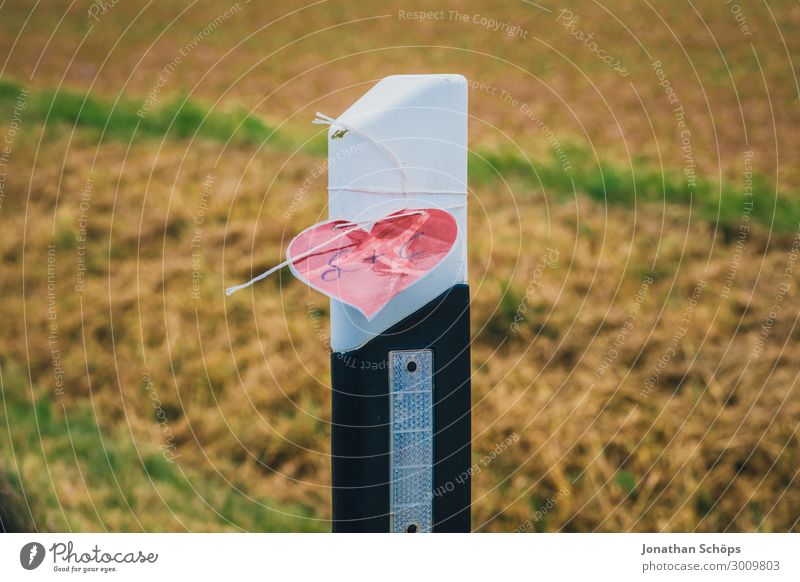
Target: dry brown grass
244, 382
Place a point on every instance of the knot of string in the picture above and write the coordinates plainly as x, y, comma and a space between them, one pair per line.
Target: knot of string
323, 119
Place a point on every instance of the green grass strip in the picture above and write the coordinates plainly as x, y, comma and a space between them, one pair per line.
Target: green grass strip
716, 202
177, 117
613, 184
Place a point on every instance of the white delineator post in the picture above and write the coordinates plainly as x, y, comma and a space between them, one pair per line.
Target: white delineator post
422, 121
401, 380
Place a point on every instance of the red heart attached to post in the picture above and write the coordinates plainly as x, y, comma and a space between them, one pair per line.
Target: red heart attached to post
366, 269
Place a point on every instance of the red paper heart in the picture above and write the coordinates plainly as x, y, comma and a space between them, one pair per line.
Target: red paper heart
367, 269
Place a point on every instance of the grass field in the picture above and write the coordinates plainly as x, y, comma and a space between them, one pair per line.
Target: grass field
633, 314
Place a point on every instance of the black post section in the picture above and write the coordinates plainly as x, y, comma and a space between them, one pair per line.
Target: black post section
360, 415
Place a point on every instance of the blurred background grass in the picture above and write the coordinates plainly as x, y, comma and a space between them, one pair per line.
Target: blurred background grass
145, 400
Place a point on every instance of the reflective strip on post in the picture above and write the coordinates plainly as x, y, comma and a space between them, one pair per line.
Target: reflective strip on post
411, 430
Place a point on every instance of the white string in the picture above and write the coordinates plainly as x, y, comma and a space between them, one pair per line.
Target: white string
393, 216
231, 290
390, 191
370, 220
323, 119
350, 225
